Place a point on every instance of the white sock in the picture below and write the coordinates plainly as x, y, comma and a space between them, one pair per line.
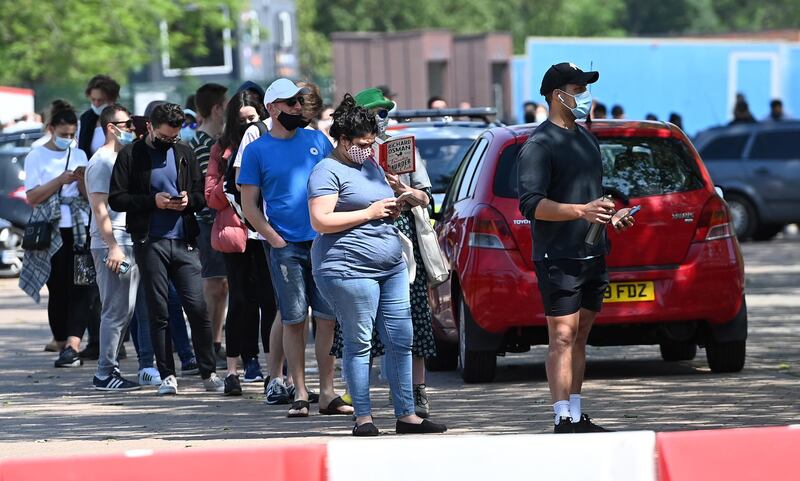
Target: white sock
575, 407
561, 408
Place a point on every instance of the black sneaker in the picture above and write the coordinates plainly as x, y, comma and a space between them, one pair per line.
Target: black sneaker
564, 426
190, 367
232, 385
114, 382
585, 425
91, 352
69, 357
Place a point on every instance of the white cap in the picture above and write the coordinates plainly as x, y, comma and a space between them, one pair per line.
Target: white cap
282, 89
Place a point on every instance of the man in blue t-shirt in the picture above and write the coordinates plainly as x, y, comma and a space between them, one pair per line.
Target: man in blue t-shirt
277, 167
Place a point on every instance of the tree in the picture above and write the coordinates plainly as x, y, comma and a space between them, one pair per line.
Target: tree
72, 40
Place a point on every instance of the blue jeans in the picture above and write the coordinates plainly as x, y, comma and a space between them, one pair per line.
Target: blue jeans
140, 331
177, 327
383, 302
295, 288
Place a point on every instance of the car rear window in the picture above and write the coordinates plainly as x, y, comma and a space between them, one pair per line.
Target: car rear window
442, 158
636, 167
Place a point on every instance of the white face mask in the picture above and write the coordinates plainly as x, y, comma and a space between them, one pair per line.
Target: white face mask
359, 155
98, 109
325, 125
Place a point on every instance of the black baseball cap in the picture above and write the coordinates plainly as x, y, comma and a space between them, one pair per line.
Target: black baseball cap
565, 73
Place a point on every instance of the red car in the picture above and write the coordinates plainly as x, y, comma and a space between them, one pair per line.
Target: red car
677, 277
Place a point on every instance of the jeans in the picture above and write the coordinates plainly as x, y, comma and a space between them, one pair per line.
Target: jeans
383, 302
290, 269
177, 327
251, 301
118, 297
140, 331
162, 261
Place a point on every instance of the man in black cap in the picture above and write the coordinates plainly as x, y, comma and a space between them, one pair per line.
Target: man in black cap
560, 191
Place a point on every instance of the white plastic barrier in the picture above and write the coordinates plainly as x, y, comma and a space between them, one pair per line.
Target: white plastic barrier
625, 456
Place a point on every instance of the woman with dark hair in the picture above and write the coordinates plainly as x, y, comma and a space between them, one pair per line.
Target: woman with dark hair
54, 187
358, 264
250, 294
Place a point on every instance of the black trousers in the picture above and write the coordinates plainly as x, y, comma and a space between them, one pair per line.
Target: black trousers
70, 308
251, 301
159, 262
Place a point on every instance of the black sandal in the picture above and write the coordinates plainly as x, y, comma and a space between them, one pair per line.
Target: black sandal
298, 406
333, 407
366, 429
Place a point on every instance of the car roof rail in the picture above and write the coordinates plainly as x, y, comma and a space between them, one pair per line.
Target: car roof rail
486, 114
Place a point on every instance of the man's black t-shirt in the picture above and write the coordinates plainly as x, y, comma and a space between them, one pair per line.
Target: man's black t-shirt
564, 166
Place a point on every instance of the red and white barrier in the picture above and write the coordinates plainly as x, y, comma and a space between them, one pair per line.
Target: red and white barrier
729, 455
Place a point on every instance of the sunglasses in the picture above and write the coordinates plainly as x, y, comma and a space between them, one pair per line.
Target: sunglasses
128, 124
191, 125
383, 113
169, 140
293, 101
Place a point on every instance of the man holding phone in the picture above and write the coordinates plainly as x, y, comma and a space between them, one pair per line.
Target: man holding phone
157, 181
560, 180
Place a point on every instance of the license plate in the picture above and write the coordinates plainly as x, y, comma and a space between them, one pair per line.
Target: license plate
630, 292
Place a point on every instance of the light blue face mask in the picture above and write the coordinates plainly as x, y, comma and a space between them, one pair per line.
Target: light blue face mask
98, 109
187, 134
62, 143
583, 104
125, 138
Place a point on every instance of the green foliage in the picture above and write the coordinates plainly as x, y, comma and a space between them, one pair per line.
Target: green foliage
71, 40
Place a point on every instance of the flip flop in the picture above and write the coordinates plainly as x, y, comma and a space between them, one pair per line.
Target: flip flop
298, 406
333, 408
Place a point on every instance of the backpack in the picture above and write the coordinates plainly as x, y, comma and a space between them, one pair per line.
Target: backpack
229, 184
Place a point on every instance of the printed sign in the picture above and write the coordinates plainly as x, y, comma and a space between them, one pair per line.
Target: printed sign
397, 154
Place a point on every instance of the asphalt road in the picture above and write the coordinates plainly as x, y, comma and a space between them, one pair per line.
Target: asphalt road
48, 411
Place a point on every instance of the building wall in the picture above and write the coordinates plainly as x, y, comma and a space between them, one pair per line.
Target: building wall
697, 78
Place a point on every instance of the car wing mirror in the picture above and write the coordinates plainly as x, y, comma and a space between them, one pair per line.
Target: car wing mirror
719, 191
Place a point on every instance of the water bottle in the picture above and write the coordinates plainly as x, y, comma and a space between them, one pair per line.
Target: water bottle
595, 230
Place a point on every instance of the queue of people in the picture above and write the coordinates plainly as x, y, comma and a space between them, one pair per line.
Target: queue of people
258, 218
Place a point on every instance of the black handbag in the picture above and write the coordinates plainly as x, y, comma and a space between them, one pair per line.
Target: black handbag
83, 270
37, 235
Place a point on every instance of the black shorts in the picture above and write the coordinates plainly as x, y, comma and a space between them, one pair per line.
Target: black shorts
567, 285
211, 261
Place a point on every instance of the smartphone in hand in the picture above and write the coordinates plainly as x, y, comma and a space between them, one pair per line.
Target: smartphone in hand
404, 196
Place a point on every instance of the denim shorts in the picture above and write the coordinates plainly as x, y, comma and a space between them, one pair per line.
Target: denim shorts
290, 269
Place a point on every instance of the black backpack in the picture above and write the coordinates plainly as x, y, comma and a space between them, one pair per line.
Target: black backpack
229, 185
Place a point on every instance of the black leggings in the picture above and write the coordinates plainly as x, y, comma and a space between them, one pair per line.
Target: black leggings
251, 301
70, 308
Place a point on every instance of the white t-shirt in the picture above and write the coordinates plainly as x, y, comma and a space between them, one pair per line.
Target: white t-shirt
98, 138
98, 180
43, 165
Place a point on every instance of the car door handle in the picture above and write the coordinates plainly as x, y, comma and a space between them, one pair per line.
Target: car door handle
762, 171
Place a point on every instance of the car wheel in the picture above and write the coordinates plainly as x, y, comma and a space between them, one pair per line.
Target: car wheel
678, 351
446, 358
474, 366
767, 232
726, 356
745, 219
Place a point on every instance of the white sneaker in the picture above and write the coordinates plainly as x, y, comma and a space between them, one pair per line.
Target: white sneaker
149, 376
169, 386
214, 383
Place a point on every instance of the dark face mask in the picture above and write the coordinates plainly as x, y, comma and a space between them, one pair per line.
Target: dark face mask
160, 145
292, 121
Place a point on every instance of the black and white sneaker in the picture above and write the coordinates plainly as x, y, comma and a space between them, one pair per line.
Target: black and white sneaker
564, 426
232, 385
69, 357
114, 382
585, 425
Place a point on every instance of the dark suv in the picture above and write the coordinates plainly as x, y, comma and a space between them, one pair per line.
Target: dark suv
758, 167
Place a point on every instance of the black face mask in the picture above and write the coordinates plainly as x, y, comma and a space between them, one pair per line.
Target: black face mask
530, 117
160, 145
292, 121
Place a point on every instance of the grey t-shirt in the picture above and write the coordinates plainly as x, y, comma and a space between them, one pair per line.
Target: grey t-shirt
371, 249
98, 178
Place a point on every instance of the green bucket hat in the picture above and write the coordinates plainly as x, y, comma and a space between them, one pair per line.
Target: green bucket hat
373, 98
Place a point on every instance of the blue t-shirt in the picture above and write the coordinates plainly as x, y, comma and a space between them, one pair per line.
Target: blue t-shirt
165, 223
281, 167
371, 249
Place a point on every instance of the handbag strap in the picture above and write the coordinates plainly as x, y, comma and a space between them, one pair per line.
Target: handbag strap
66, 167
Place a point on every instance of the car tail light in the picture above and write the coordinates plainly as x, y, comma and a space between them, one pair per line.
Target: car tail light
19, 194
715, 221
489, 230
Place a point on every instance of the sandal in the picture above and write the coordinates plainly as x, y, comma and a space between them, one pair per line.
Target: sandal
296, 411
333, 408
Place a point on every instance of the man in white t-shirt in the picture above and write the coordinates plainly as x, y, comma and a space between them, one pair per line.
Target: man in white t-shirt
112, 250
